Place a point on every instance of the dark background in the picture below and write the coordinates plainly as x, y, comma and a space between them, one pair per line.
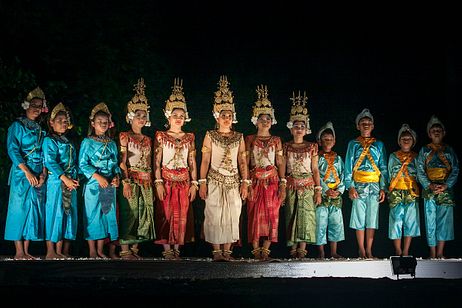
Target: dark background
403, 63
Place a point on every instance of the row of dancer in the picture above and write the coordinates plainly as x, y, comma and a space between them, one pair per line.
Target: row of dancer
259, 168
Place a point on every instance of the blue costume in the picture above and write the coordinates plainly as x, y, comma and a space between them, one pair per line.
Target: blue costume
403, 196
61, 206
26, 205
438, 164
329, 213
366, 170
99, 217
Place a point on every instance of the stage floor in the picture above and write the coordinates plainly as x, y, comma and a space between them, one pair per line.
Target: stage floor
240, 283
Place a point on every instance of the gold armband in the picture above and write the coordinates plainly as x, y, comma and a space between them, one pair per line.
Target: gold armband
244, 153
123, 148
280, 153
205, 149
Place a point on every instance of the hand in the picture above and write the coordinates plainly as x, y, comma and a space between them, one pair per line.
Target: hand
127, 190
317, 197
244, 191
71, 184
115, 182
160, 191
41, 180
250, 195
203, 191
381, 196
282, 195
352, 193
192, 193
101, 180
33, 181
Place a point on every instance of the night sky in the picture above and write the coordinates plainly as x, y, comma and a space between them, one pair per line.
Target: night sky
392, 60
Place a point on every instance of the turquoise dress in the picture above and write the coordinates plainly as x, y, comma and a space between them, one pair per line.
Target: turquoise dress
61, 206
26, 205
99, 215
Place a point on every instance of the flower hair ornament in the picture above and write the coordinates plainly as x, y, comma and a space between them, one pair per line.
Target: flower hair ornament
138, 102
262, 105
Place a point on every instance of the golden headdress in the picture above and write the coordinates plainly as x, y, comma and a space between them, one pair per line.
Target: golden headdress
138, 102
176, 100
262, 105
36, 93
406, 128
299, 112
58, 108
102, 107
223, 99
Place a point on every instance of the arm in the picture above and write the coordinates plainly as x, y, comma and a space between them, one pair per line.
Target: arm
192, 170
127, 189
281, 165
316, 176
158, 181
243, 169
205, 163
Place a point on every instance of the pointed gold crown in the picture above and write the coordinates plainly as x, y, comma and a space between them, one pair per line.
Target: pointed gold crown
262, 105
58, 108
37, 92
223, 99
102, 107
138, 102
299, 112
176, 100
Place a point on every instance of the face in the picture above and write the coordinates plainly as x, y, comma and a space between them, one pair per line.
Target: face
406, 141
60, 124
327, 141
35, 108
177, 118
436, 134
140, 118
101, 124
365, 126
225, 119
298, 129
264, 121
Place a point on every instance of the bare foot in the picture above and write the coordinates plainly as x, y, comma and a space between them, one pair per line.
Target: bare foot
128, 257
321, 255
440, 257
362, 254
102, 255
20, 256
53, 256
31, 257
336, 256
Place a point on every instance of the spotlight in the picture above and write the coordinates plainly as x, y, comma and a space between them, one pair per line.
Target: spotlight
403, 265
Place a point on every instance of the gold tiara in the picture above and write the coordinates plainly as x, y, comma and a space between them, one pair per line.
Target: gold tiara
262, 105
61, 108
298, 111
138, 102
223, 98
37, 92
176, 100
